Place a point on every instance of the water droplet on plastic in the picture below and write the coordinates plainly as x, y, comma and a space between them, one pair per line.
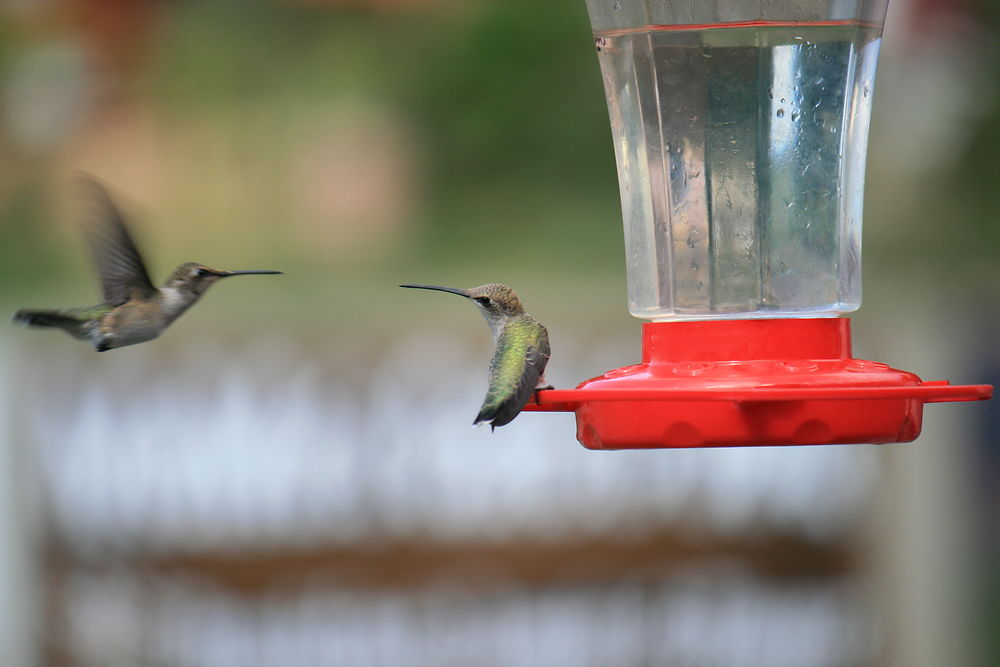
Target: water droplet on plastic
618, 6
866, 90
781, 112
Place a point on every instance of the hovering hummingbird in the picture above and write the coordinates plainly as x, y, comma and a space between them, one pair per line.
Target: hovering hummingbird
517, 369
134, 310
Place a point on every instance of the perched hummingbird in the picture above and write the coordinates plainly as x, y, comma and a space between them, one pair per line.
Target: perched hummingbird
517, 369
133, 311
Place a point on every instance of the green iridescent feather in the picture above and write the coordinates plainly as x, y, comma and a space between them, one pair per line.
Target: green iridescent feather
520, 359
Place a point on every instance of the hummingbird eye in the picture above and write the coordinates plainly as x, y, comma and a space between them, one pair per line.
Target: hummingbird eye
201, 273
483, 300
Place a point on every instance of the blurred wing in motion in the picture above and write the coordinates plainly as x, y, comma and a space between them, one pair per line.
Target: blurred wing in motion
119, 265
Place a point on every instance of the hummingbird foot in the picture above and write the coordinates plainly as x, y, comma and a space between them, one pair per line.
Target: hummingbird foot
538, 389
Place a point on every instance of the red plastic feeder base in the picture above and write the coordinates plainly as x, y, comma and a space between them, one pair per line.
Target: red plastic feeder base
728, 383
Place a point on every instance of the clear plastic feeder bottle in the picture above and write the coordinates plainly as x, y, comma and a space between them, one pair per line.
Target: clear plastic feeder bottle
740, 130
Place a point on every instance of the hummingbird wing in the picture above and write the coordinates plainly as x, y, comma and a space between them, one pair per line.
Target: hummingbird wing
120, 267
518, 364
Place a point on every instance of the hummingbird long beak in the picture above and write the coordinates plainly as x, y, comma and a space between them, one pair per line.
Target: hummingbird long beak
226, 274
439, 289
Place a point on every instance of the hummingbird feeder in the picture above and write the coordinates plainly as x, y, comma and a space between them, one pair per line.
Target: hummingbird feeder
740, 131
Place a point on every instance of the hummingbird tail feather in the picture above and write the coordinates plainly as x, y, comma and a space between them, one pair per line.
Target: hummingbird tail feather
486, 413
49, 318
498, 414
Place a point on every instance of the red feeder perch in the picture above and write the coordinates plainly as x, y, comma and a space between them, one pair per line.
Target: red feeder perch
740, 136
750, 382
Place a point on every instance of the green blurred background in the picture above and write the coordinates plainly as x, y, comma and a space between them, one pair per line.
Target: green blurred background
357, 144
350, 143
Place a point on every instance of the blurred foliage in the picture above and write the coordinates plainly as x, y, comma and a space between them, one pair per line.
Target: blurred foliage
503, 98
951, 231
502, 101
975, 182
17, 268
